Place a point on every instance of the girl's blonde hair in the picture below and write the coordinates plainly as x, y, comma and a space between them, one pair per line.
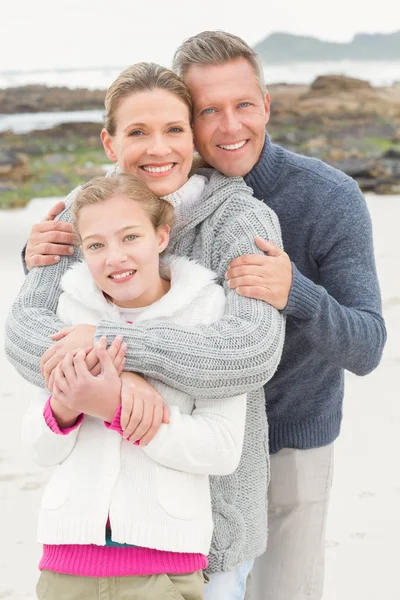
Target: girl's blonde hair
143, 77
100, 189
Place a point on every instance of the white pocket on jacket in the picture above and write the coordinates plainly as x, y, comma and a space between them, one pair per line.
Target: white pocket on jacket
176, 493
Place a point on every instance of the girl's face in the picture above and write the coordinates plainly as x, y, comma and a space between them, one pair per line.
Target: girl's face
122, 248
153, 139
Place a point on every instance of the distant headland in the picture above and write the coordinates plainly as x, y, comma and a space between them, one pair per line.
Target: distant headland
286, 47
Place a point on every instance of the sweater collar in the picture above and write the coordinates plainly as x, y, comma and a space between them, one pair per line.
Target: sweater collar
217, 190
191, 191
265, 174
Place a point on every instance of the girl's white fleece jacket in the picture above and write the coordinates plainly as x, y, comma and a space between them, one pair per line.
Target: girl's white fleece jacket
156, 497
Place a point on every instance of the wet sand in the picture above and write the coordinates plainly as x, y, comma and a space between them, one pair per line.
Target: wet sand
364, 522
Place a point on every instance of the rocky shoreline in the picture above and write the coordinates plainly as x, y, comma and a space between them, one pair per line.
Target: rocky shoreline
343, 121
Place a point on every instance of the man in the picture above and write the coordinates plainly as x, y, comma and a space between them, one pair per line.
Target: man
325, 283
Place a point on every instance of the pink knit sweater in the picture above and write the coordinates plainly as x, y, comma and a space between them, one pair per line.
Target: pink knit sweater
112, 561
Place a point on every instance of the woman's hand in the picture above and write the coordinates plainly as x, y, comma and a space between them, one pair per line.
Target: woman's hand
80, 392
143, 409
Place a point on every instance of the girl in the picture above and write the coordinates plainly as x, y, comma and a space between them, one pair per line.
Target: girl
148, 133
116, 516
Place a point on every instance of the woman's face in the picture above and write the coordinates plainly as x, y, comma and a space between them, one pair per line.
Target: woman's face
122, 248
153, 139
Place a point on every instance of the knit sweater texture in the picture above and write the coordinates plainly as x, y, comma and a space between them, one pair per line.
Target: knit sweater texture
238, 354
334, 314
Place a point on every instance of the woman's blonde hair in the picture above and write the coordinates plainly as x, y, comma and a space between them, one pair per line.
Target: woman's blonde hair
101, 189
143, 77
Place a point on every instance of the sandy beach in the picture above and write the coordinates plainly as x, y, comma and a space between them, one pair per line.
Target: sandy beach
364, 521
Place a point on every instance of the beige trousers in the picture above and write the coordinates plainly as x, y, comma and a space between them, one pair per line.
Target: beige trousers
292, 568
55, 586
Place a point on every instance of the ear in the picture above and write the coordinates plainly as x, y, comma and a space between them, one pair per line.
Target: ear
107, 141
267, 105
163, 237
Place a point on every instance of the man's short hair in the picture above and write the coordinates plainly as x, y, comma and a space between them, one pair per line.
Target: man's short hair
216, 48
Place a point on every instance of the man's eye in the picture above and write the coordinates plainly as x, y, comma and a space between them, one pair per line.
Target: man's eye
130, 238
244, 104
208, 111
95, 246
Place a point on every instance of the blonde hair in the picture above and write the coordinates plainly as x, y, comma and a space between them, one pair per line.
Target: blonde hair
216, 48
139, 78
101, 189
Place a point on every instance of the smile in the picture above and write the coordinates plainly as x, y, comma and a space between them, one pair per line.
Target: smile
158, 169
122, 276
231, 147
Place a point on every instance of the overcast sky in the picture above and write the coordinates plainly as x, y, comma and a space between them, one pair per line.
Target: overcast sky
43, 34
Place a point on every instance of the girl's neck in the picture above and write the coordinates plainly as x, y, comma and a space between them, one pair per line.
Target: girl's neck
161, 287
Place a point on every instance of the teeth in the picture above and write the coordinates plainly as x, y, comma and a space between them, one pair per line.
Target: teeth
233, 146
158, 169
122, 275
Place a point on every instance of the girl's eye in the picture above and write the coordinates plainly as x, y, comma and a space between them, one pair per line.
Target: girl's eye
208, 111
244, 104
95, 246
130, 238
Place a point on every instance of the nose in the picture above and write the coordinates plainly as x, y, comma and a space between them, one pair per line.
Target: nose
230, 122
159, 146
116, 257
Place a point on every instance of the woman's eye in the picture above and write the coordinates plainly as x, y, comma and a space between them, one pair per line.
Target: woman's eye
130, 238
95, 246
136, 133
175, 130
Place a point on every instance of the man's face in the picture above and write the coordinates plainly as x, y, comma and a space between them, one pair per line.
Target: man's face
230, 114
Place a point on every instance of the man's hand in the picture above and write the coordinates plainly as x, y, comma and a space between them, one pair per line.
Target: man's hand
143, 409
49, 240
267, 277
80, 392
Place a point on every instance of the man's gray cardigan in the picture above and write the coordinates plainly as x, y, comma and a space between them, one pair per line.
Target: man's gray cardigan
236, 355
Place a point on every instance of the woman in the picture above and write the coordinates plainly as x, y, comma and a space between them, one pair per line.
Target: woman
148, 132
146, 527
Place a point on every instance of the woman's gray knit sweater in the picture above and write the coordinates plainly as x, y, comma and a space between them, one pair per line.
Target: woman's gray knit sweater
236, 355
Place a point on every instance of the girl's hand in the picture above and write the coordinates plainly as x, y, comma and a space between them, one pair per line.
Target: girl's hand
80, 336
78, 390
143, 409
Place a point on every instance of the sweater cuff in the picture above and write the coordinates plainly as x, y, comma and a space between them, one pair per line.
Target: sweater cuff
51, 421
304, 297
115, 424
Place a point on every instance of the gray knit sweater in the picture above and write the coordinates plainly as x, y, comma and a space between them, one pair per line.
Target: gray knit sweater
238, 354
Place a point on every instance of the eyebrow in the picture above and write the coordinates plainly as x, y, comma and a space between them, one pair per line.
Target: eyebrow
179, 122
98, 235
